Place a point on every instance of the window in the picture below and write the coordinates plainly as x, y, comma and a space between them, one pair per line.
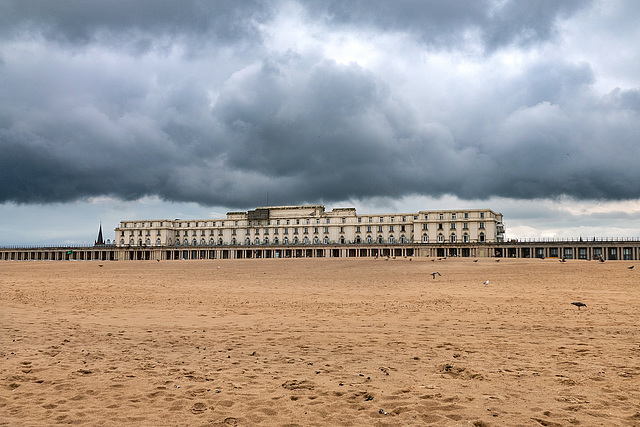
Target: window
286, 231
390, 239
482, 215
326, 229
194, 242
379, 229
328, 220
359, 219
466, 215
439, 226
381, 219
315, 240
453, 237
295, 230
453, 226
441, 216
358, 229
211, 242
342, 240
380, 239
424, 226
275, 231
370, 219
368, 229
392, 218
315, 230
465, 238
402, 228
404, 218
306, 230
202, 242
326, 240
342, 229
344, 220
425, 238
391, 228
158, 242
453, 216
403, 239
482, 237
465, 226
368, 239
482, 225
440, 238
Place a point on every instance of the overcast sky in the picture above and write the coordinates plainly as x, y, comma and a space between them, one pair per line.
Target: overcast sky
113, 110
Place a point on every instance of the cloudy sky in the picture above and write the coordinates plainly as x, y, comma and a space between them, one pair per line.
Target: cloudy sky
120, 109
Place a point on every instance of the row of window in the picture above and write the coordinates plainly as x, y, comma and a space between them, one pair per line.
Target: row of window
316, 240
452, 226
297, 221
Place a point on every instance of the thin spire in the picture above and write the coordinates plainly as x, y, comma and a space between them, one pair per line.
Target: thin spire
100, 240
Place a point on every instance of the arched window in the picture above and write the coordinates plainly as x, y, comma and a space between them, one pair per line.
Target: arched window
194, 242
158, 242
403, 239
139, 242
326, 240
122, 242
465, 238
453, 237
425, 238
212, 242
186, 242
315, 240
369, 239
358, 239
342, 240
203, 242
178, 242
220, 241
440, 238
295, 240
257, 240
248, 241
390, 239
148, 242
266, 240
233, 241
132, 242
285, 241
380, 240
482, 237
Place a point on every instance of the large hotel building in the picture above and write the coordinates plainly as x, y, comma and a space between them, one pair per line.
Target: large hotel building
310, 231
312, 225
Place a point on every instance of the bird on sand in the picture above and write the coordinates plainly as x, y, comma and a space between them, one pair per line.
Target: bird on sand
218, 267
631, 268
99, 265
579, 304
434, 274
497, 260
475, 260
486, 283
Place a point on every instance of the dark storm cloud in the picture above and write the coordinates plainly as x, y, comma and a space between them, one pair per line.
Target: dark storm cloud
84, 22
224, 125
497, 23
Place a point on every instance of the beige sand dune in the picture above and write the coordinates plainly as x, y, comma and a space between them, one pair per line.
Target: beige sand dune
304, 342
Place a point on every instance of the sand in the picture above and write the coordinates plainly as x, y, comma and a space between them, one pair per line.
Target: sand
304, 342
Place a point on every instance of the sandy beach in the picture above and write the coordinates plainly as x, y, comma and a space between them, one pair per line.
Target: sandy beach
316, 342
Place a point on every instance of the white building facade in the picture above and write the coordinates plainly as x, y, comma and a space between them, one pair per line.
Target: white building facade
312, 225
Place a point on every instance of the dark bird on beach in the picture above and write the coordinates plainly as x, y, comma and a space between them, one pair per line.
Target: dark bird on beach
631, 268
475, 260
579, 304
99, 265
434, 274
486, 283
497, 260
563, 260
